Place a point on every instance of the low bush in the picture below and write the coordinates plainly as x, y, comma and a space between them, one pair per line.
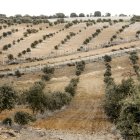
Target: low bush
23, 118
17, 73
48, 72
7, 121
107, 58
80, 66
71, 88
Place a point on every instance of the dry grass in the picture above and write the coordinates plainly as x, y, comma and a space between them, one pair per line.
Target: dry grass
7, 113
85, 112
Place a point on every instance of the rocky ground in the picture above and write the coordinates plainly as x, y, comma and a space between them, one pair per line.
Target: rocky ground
42, 134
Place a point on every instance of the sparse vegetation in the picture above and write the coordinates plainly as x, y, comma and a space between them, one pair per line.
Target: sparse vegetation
48, 71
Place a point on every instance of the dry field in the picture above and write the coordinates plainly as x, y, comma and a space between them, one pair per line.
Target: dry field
84, 118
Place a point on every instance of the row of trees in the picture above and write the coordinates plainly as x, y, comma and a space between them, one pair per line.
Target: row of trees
96, 14
80, 67
107, 75
27, 18
71, 34
134, 60
122, 103
68, 37
36, 99
44, 37
36, 42
7, 46
3, 27
8, 33
18, 19
87, 40
25, 34
29, 31
69, 24
119, 31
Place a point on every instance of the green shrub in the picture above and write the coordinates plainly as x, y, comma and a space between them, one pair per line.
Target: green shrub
136, 69
56, 47
108, 80
129, 120
71, 88
46, 77
5, 47
133, 57
19, 54
48, 71
80, 66
74, 81
78, 72
107, 73
107, 58
17, 73
115, 94
8, 98
7, 121
36, 98
23, 118
57, 100
24, 52
10, 57
28, 50
108, 66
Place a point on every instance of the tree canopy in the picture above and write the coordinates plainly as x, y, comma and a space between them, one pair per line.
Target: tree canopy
8, 98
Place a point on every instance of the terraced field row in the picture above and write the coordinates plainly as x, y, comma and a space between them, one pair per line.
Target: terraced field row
68, 51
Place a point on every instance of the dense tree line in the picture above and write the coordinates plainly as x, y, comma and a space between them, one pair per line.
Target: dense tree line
39, 101
122, 103
18, 19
